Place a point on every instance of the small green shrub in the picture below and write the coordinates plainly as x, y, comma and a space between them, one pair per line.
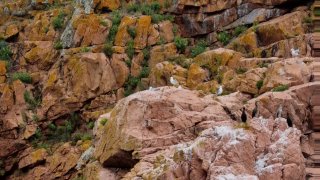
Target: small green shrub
22, 76
146, 55
90, 125
85, 49
255, 26
103, 121
52, 127
38, 133
131, 84
35, 117
116, 20
130, 49
133, 7
31, 101
307, 20
156, 18
181, 43
5, 51
224, 37
241, 70
108, 49
259, 84
132, 32
128, 63
155, 6
280, 88
239, 30
57, 22
198, 49
263, 65
58, 45
144, 72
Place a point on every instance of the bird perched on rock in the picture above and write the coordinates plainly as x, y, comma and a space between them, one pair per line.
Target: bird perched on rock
279, 112
289, 121
220, 90
173, 81
255, 112
244, 115
295, 52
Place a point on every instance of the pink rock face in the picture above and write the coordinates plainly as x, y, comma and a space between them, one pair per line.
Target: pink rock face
179, 134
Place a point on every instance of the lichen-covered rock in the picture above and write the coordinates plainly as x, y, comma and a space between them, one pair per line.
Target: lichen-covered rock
142, 30
33, 158
173, 116
75, 80
90, 30
40, 53
122, 36
162, 53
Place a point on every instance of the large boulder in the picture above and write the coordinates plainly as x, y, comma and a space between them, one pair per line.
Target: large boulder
152, 120
74, 80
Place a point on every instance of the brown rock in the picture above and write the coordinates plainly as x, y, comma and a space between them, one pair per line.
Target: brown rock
142, 28
120, 68
80, 77
19, 89
161, 53
29, 131
3, 69
33, 158
6, 99
90, 30
166, 32
62, 161
122, 36
168, 122
42, 54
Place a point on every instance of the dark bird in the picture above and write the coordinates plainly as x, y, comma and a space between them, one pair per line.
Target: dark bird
244, 115
255, 111
311, 78
289, 121
279, 111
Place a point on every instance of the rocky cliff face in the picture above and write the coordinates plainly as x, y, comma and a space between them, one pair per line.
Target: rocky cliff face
71, 72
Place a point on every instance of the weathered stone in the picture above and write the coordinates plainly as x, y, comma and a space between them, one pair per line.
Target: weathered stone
142, 29
33, 158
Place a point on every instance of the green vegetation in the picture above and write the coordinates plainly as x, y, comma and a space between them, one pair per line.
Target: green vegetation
241, 70
255, 26
63, 133
35, 117
307, 20
22, 76
316, 12
239, 30
103, 121
130, 85
81, 136
5, 51
58, 45
116, 20
152, 10
198, 49
144, 72
259, 84
57, 22
156, 18
280, 88
132, 32
263, 64
224, 37
33, 102
85, 49
90, 125
107, 49
130, 49
182, 61
181, 43
52, 127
